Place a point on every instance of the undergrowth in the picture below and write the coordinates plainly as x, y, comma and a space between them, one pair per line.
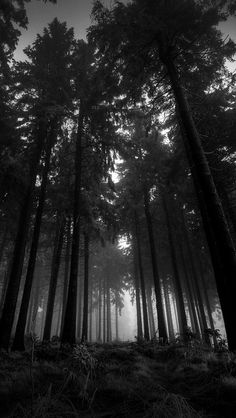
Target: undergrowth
137, 379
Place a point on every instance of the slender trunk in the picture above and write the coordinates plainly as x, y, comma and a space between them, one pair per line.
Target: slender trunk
192, 305
156, 277
150, 312
35, 304
207, 302
43, 317
58, 319
18, 342
3, 242
5, 284
104, 311
168, 312
117, 313
226, 285
7, 319
100, 311
195, 281
91, 317
84, 335
137, 296
54, 276
69, 328
142, 282
29, 316
108, 311
66, 272
177, 281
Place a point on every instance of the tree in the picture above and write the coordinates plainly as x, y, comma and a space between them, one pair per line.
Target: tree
165, 46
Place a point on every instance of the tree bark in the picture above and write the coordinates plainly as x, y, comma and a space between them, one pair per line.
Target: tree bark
168, 312
191, 301
66, 272
84, 335
100, 311
117, 315
108, 310
137, 295
156, 276
177, 281
104, 310
195, 281
226, 285
142, 282
69, 328
18, 342
56, 259
7, 319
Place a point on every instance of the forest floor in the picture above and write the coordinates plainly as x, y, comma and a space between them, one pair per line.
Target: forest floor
140, 380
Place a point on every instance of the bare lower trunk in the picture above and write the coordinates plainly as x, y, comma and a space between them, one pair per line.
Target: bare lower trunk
54, 277
156, 276
84, 335
226, 284
142, 282
8, 313
69, 328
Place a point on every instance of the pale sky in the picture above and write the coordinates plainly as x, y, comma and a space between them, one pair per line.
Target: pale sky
77, 15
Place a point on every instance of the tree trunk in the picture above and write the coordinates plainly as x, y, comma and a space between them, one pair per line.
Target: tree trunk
142, 282
137, 295
69, 329
18, 342
104, 310
191, 301
84, 335
117, 314
56, 259
195, 281
168, 312
7, 319
226, 286
108, 311
100, 311
35, 304
3, 242
5, 284
177, 281
156, 277
150, 312
66, 272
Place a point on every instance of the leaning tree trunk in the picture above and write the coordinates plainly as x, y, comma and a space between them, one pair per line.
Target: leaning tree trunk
84, 335
56, 259
177, 281
18, 342
142, 282
156, 277
69, 328
8, 313
226, 285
